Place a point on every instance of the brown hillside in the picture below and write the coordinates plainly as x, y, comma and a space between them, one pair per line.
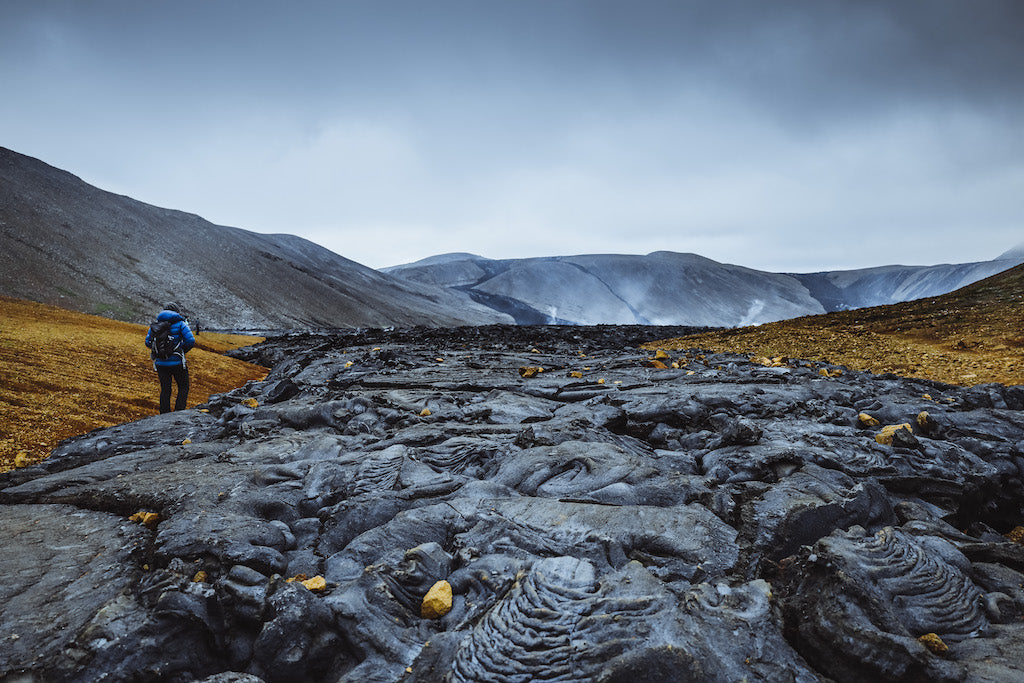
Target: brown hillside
65, 373
971, 336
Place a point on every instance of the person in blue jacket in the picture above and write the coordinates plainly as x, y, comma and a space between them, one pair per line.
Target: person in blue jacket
172, 367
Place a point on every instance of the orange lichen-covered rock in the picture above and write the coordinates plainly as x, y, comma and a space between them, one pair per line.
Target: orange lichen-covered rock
576, 374
425, 412
888, 433
866, 420
251, 402
150, 519
657, 364
438, 601
661, 354
933, 643
316, 583
530, 371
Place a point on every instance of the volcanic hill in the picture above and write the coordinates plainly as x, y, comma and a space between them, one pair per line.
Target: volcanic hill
65, 242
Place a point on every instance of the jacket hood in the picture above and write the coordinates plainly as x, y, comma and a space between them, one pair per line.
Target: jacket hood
173, 316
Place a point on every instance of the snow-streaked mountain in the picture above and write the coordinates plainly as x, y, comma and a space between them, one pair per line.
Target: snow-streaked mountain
1014, 254
662, 288
666, 288
65, 242
846, 289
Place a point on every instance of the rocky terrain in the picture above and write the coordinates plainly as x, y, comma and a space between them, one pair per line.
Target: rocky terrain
65, 242
514, 504
667, 288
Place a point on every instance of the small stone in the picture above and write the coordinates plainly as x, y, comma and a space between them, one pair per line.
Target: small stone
600, 381
934, 643
425, 412
251, 402
924, 421
866, 420
657, 364
888, 433
530, 371
661, 354
200, 577
349, 364
186, 442
22, 459
438, 601
576, 374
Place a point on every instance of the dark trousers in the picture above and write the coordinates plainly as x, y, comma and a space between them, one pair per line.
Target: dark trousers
180, 375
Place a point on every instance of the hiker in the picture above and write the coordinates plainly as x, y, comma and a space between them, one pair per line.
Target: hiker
169, 339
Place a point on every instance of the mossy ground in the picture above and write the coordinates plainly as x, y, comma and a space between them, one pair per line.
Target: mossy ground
974, 335
64, 373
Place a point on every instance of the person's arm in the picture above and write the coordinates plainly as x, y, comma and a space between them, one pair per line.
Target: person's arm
149, 338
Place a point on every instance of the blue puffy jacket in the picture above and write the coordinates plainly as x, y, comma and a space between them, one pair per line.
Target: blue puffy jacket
180, 332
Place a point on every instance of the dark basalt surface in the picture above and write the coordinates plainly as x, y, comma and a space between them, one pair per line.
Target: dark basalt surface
717, 521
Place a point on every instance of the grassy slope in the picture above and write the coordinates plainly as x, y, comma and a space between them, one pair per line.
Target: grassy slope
64, 373
971, 336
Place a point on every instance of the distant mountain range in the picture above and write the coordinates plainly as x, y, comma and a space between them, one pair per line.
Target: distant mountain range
665, 288
65, 242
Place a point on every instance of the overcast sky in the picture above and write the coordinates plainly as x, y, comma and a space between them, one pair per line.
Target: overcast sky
780, 135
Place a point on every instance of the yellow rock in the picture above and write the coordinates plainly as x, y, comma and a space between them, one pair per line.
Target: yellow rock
933, 643
438, 601
186, 442
924, 420
576, 374
349, 364
251, 402
927, 397
884, 437
425, 412
22, 459
657, 364
1016, 534
317, 583
600, 381
200, 577
529, 371
691, 372
661, 354
868, 421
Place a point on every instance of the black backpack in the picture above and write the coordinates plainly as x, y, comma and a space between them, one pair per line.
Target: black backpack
163, 344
